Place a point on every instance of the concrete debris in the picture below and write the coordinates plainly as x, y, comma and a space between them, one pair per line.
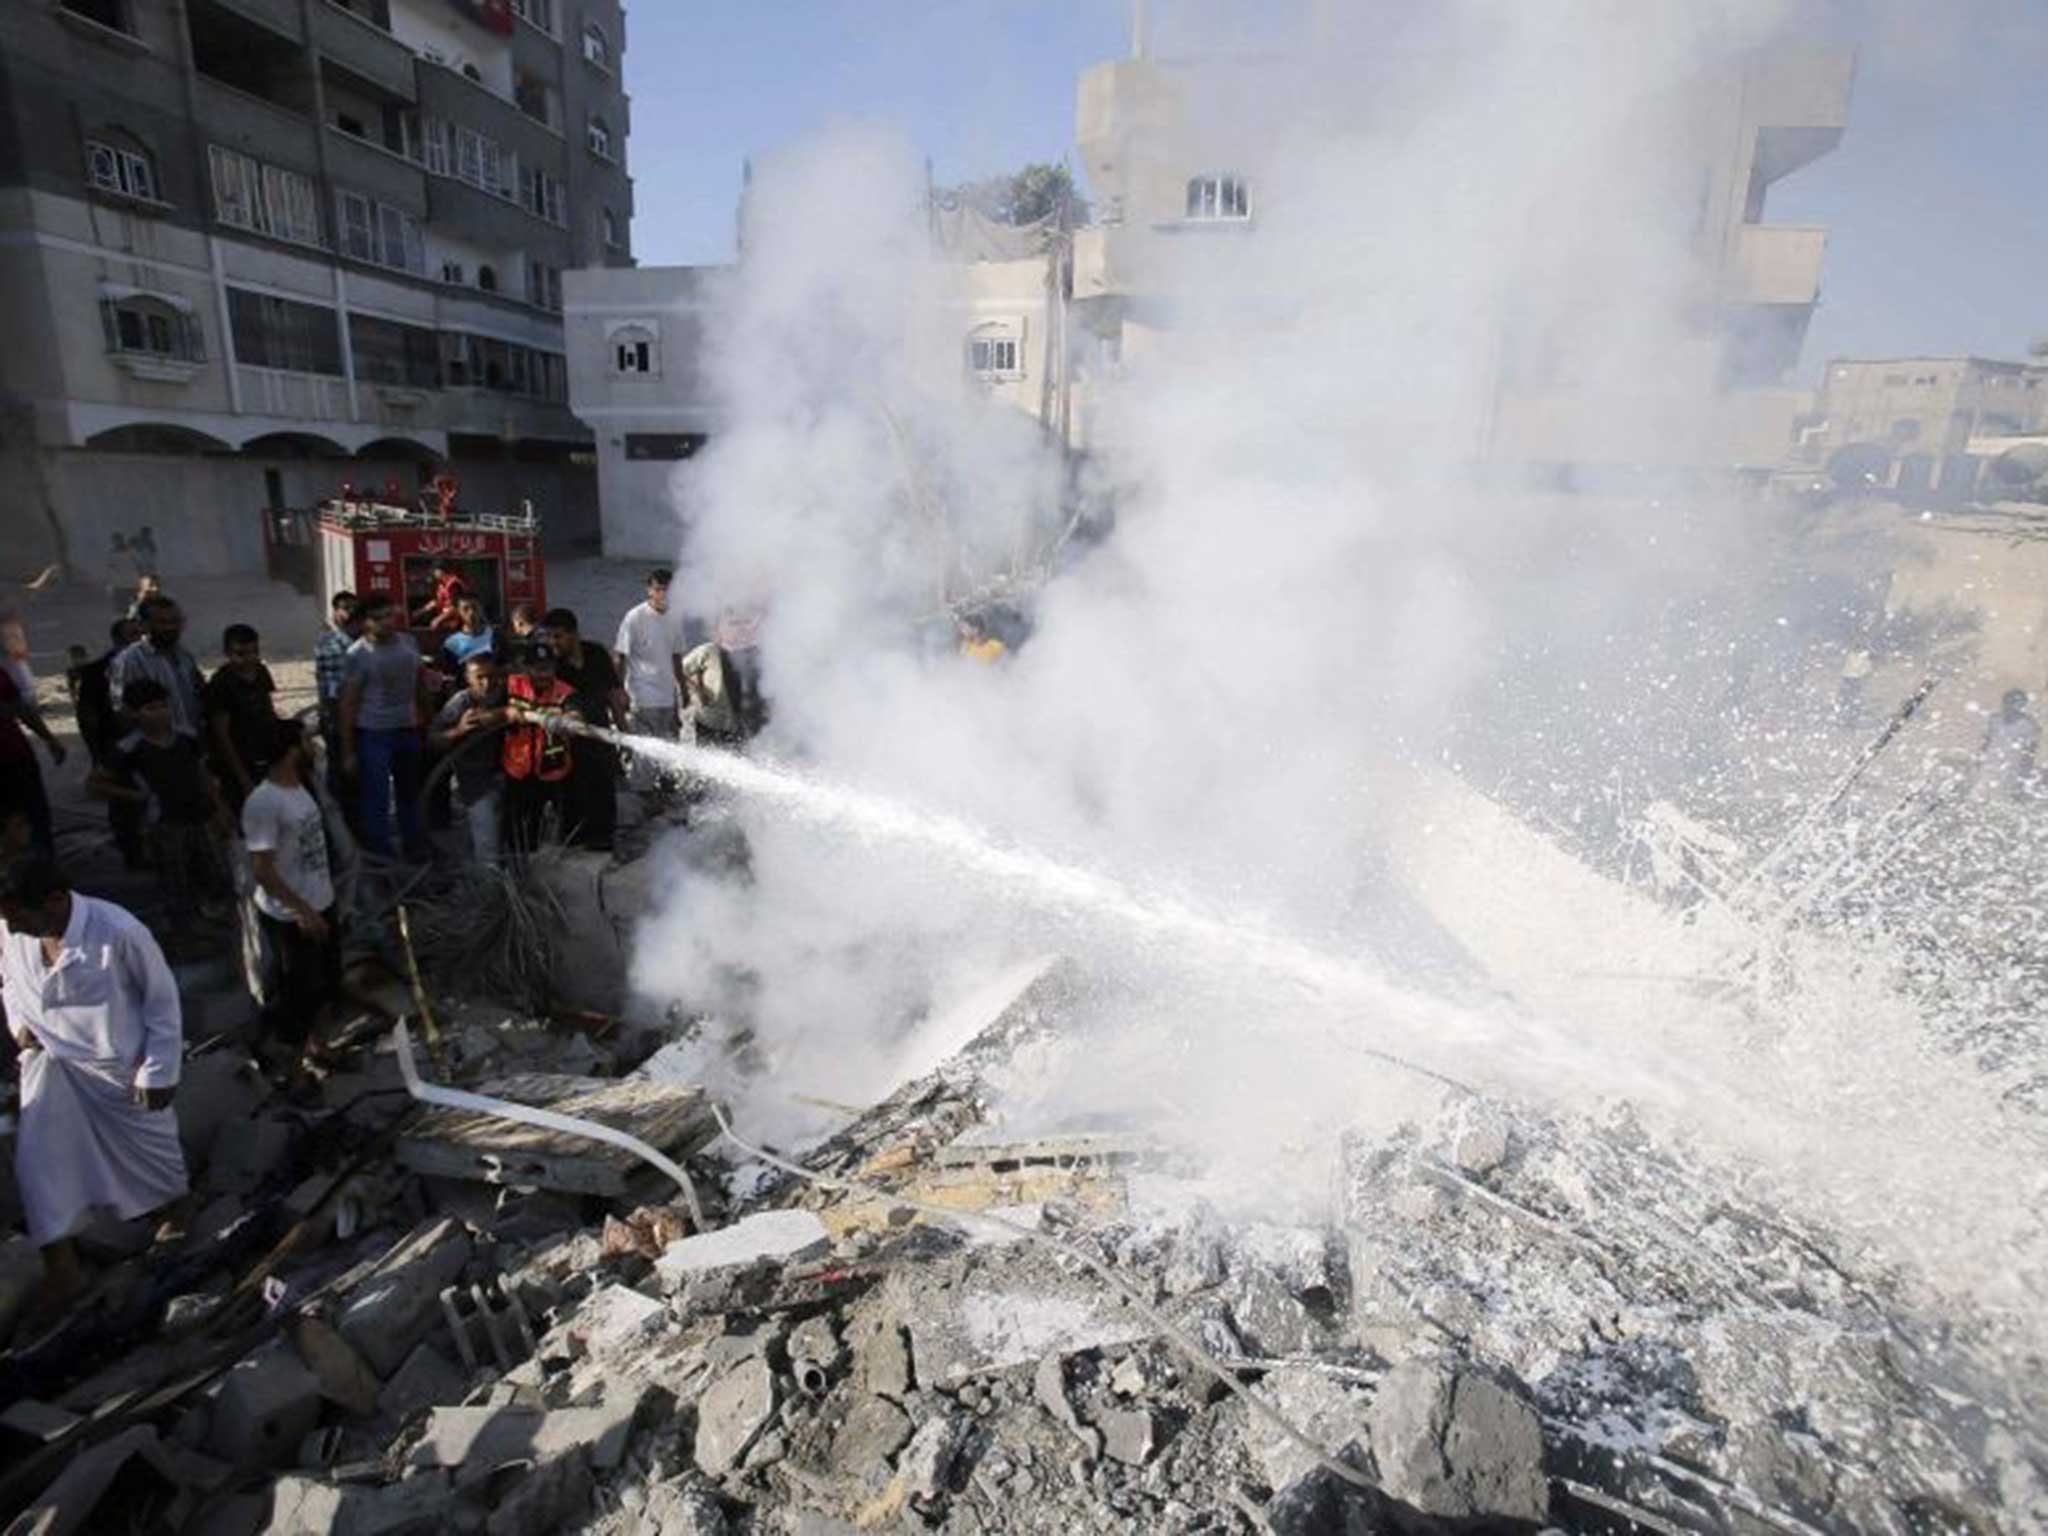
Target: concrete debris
1049, 1386
474, 1443
779, 1237
427, 1379
400, 1300
931, 1463
1459, 1443
267, 1403
246, 1152
310, 1506
344, 1379
676, 1511
539, 1503
215, 1089
1130, 1435
731, 1413
21, 1271
34, 1421
610, 1319
647, 1231
874, 1430
489, 1325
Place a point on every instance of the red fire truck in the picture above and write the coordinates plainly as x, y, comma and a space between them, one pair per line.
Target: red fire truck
365, 545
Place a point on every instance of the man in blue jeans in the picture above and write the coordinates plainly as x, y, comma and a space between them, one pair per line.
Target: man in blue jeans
382, 703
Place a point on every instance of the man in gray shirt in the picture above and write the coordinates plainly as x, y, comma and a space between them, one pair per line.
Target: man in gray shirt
161, 657
383, 700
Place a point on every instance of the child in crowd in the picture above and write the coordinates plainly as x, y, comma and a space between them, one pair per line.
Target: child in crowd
162, 769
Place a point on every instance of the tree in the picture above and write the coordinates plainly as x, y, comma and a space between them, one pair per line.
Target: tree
1022, 197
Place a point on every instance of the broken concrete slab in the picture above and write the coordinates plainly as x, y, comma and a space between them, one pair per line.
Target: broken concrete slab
345, 1379
731, 1414
310, 1506
881, 1351
992, 1319
1049, 1386
781, 1237
1322, 1407
609, 1319
1458, 1443
267, 1403
427, 1379
1130, 1435
134, 1459
470, 1144
678, 1511
37, 1422
399, 1302
472, 1442
554, 1493
873, 1431
930, 1467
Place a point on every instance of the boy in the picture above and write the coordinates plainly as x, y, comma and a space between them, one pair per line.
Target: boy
649, 653
473, 713
294, 897
240, 718
160, 768
473, 635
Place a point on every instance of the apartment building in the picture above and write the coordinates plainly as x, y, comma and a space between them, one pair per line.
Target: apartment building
1923, 426
1187, 160
253, 250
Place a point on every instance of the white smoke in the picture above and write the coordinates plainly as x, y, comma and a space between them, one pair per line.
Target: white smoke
1301, 607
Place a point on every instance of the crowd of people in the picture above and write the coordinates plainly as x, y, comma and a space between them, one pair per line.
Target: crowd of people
202, 777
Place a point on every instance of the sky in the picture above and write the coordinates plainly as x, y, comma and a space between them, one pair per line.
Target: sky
1938, 222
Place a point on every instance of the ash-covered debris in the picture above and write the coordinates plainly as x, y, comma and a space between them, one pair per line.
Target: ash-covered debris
1506, 1322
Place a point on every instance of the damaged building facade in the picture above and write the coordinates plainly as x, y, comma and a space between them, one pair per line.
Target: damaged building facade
255, 251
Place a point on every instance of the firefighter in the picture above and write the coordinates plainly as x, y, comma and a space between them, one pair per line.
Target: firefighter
538, 762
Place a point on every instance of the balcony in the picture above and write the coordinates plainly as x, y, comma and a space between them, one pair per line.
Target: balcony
302, 396
256, 126
278, 16
1794, 88
376, 172
1777, 264
364, 49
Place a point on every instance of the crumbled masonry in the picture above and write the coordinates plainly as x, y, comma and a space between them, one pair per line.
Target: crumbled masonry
1508, 1322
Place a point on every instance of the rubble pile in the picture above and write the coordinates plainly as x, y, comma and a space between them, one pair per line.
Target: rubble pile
1506, 1323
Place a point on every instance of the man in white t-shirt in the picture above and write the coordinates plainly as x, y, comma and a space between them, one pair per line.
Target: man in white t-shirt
287, 838
649, 651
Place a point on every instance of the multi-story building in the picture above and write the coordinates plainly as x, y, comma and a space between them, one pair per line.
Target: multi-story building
253, 249
1923, 426
1187, 158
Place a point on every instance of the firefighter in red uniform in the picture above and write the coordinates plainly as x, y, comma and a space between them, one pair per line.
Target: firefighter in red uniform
449, 590
537, 763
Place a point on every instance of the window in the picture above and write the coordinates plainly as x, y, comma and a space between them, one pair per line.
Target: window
669, 446
487, 278
1895, 381
1218, 197
375, 232
265, 198
112, 14
597, 48
454, 272
534, 96
140, 325
284, 333
635, 351
608, 226
543, 285
467, 155
542, 195
600, 136
484, 362
116, 168
536, 13
387, 352
992, 357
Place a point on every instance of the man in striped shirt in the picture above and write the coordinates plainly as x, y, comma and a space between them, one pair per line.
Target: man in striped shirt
159, 657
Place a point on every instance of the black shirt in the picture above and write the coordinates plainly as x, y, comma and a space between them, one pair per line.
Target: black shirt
252, 721
173, 772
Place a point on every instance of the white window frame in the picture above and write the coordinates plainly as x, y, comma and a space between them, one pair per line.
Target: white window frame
609, 229
124, 172
538, 14
455, 272
635, 348
994, 352
1218, 197
377, 233
597, 47
597, 133
268, 199
185, 343
543, 285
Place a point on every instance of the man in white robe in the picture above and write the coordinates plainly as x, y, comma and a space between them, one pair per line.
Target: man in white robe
94, 1011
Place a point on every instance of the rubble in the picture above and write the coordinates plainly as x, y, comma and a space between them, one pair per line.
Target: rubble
1472, 1339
